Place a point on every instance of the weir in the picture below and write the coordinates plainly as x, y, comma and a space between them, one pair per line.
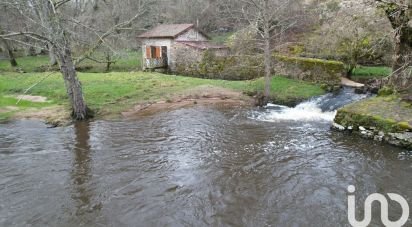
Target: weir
322, 108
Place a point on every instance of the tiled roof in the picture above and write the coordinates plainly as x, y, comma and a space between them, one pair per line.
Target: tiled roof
167, 31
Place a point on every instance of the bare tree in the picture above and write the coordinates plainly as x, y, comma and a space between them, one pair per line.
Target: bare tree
270, 19
399, 14
52, 28
354, 34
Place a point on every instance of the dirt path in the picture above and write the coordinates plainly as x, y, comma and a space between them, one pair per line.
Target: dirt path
32, 98
202, 95
54, 115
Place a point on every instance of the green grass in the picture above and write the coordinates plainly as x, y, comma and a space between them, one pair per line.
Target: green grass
111, 93
220, 38
6, 102
11, 101
386, 113
370, 72
284, 90
27, 64
6, 115
125, 62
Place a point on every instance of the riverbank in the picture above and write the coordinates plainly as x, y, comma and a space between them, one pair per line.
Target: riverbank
111, 94
382, 118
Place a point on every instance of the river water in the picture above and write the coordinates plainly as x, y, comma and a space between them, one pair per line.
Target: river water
199, 166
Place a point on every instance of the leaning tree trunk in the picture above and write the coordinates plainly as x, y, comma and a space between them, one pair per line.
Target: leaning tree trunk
73, 85
60, 44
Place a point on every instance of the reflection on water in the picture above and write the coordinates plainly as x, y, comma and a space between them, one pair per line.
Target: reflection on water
81, 172
191, 167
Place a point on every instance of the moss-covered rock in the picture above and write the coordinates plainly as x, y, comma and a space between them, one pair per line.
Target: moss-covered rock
386, 91
381, 117
350, 119
404, 126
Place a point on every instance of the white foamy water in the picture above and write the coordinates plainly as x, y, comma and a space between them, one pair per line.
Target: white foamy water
307, 111
322, 108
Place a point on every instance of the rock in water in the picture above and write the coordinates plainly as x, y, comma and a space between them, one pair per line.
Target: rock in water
338, 127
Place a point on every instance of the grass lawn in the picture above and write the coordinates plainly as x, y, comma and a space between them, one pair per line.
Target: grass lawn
27, 64
8, 106
111, 93
371, 72
125, 62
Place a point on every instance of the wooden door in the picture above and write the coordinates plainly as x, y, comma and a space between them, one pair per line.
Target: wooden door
164, 51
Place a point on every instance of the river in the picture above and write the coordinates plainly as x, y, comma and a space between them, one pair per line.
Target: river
198, 166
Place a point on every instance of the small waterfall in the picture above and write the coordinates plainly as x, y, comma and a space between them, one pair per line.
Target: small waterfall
322, 108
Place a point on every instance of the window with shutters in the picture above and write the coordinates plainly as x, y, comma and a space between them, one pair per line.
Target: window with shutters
148, 52
153, 52
156, 52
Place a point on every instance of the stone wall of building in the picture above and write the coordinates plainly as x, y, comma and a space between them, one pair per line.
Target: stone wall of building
213, 64
172, 45
156, 42
183, 58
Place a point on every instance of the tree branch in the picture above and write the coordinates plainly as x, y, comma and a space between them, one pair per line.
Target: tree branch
100, 41
60, 3
99, 61
27, 34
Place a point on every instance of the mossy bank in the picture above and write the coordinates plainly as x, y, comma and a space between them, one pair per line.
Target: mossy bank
383, 118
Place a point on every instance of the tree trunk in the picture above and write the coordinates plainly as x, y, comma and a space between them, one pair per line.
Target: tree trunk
52, 56
108, 61
73, 86
399, 18
268, 70
402, 80
31, 51
9, 51
403, 47
267, 56
402, 61
62, 50
12, 59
